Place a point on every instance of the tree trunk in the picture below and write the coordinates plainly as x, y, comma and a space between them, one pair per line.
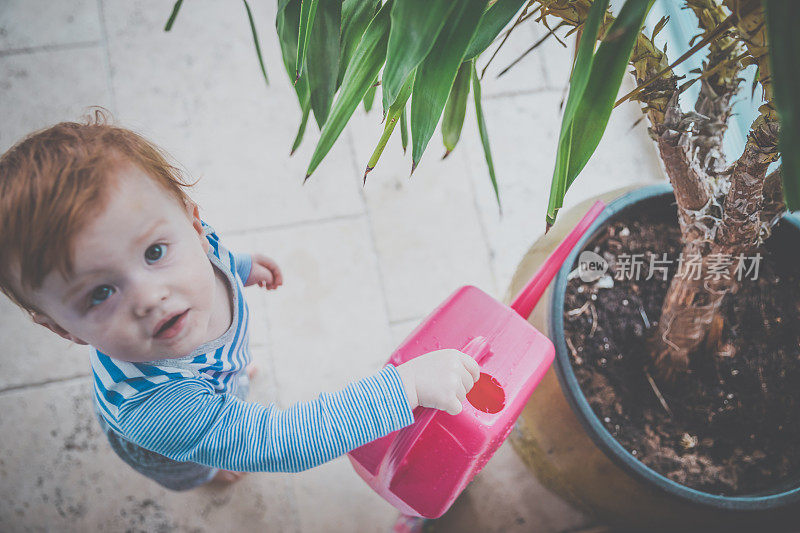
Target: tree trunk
733, 222
722, 212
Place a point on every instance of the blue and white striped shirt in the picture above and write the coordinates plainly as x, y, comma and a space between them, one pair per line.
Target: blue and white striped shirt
186, 408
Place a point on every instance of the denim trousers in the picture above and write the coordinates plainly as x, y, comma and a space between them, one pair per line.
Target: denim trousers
174, 475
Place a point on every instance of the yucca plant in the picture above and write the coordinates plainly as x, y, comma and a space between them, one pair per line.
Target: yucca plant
337, 52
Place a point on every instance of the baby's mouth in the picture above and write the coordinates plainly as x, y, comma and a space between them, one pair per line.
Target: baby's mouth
171, 327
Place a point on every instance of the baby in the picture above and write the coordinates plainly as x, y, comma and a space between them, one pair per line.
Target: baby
102, 246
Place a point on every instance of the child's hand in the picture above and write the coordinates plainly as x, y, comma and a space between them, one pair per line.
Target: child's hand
265, 272
439, 379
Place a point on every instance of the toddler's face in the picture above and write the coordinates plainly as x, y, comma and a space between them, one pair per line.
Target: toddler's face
143, 287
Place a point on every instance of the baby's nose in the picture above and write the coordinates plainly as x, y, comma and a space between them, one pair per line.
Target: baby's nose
148, 298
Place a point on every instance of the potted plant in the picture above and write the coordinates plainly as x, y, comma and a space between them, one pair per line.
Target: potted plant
674, 364
682, 421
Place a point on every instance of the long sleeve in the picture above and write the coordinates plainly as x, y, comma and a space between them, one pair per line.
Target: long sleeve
186, 421
243, 263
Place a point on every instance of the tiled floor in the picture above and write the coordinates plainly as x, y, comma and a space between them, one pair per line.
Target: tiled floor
362, 266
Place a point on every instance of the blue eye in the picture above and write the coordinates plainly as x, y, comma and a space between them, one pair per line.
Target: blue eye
155, 252
100, 294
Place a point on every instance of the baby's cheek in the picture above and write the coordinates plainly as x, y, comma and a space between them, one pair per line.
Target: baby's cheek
201, 282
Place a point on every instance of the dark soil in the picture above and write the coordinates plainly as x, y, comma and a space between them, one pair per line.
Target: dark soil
733, 426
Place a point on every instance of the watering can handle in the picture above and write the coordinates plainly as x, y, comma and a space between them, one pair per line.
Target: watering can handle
529, 296
477, 348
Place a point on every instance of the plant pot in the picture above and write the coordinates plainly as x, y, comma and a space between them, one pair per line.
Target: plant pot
559, 437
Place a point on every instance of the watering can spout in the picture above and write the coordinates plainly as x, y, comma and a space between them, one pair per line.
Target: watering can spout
529, 296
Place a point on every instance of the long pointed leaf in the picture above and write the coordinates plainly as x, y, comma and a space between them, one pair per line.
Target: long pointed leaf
584, 57
392, 116
404, 129
436, 73
308, 12
301, 130
456, 108
175, 9
784, 42
487, 151
360, 75
356, 15
255, 41
492, 23
287, 24
415, 26
369, 98
595, 82
322, 61
608, 68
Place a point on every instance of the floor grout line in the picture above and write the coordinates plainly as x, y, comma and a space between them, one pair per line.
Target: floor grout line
50, 48
522, 92
292, 225
25, 386
368, 214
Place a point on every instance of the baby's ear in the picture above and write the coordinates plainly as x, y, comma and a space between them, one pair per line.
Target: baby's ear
193, 211
49, 323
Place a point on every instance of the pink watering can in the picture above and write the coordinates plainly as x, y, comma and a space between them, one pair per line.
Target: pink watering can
421, 469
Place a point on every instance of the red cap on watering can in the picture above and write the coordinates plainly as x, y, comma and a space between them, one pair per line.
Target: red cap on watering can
421, 469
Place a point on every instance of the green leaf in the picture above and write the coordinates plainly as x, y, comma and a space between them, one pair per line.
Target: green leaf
308, 12
605, 78
487, 151
492, 23
369, 98
301, 130
436, 73
584, 57
392, 116
784, 39
255, 41
360, 75
175, 9
415, 26
456, 108
596, 79
287, 24
404, 129
356, 15
322, 62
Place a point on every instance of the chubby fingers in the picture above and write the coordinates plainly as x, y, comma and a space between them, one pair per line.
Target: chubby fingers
472, 366
268, 262
454, 407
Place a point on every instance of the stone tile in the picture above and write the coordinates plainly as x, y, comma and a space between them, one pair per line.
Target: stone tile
203, 100
59, 473
33, 354
523, 132
327, 323
427, 231
505, 497
42, 88
31, 23
332, 497
258, 299
401, 330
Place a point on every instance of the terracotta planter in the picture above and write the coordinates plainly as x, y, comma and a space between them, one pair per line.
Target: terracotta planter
562, 441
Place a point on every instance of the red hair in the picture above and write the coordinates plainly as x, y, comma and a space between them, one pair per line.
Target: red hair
51, 185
